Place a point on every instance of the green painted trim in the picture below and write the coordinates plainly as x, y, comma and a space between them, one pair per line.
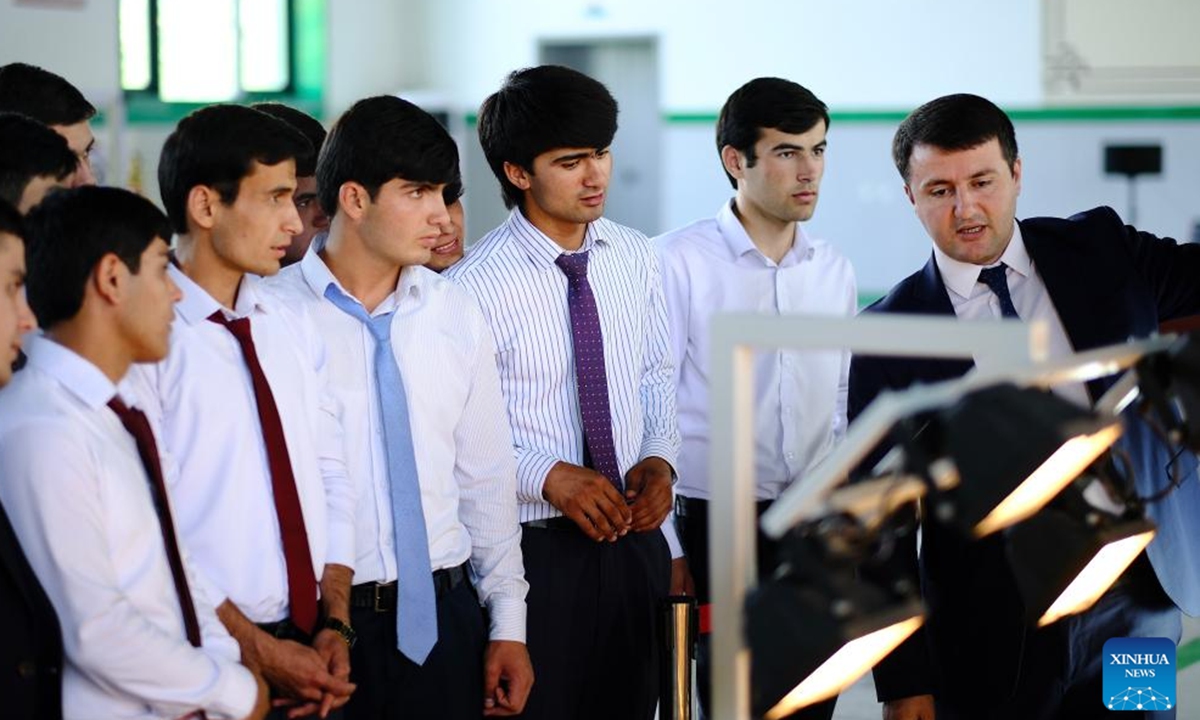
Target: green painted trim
1072, 114
308, 76
309, 44
149, 110
1187, 654
866, 297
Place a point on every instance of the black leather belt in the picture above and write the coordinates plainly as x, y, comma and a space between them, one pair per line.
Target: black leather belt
381, 597
555, 523
285, 630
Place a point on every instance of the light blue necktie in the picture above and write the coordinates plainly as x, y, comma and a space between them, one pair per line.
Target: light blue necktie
416, 603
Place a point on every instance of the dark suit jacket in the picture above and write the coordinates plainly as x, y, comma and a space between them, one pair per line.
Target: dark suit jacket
31, 649
1108, 282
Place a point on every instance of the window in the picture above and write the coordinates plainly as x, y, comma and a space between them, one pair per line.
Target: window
183, 51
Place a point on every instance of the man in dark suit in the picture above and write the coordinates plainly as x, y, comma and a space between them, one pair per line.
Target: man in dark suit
31, 654
1095, 282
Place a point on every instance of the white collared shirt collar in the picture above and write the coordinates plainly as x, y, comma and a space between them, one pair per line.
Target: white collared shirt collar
740, 245
961, 277
538, 246
198, 305
319, 277
74, 372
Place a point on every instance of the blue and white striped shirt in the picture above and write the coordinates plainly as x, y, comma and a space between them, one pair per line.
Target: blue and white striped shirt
523, 295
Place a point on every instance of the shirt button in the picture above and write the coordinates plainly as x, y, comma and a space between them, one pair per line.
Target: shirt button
791, 456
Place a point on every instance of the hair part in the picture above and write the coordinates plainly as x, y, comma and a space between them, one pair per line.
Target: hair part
42, 95
954, 122
539, 109
766, 103
380, 139
28, 150
71, 231
217, 146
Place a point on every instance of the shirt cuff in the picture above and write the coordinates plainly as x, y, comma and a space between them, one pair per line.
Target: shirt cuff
532, 469
235, 693
660, 448
507, 617
340, 549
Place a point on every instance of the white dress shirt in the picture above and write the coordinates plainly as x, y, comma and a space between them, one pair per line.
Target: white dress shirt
460, 430
973, 300
79, 500
202, 400
712, 266
523, 295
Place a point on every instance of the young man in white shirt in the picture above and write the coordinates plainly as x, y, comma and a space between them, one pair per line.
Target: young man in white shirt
755, 257
265, 504
83, 481
437, 530
574, 303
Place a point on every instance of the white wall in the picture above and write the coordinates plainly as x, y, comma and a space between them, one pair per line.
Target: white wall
852, 53
78, 43
374, 47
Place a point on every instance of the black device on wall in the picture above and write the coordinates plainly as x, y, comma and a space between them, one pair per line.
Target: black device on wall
1131, 161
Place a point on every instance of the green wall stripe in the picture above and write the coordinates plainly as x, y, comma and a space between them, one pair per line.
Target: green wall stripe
1072, 114
1188, 654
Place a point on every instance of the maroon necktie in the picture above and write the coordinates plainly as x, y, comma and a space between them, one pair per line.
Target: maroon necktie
135, 422
588, 341
302, 584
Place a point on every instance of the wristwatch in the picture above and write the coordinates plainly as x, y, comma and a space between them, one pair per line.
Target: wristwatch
344, 631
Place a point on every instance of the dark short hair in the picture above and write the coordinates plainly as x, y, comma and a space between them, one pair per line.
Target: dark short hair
28, 150
453, 191
10, 220
308, 126
69, 232
380, 139
539, 109
42, 95
954, 122
217, 146
762, 103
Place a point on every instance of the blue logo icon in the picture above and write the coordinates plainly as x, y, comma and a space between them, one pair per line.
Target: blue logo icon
1139, 674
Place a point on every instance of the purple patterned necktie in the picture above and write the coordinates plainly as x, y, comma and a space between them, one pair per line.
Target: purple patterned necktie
589, 368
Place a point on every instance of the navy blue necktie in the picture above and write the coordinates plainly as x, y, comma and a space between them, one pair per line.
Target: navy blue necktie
996, 278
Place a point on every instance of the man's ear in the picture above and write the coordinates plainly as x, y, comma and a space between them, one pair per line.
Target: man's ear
733, 161
908, 193
202, 202
108, 278
1016, 171
517, 175
353, 199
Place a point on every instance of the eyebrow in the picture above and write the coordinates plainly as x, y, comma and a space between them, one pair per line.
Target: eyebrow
793, 146
282, 189
574, 156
